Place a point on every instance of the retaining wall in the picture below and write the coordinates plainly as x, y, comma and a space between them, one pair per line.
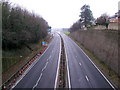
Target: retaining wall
102, 43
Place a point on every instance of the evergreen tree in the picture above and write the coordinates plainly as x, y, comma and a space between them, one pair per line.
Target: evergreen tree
86, 16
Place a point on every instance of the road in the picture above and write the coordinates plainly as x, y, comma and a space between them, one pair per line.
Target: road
81, 70
43, 73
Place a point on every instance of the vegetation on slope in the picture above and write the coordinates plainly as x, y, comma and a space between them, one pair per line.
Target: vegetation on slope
20, 29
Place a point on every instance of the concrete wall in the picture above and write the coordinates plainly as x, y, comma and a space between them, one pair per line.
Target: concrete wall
100, 27
103, 43
113, 26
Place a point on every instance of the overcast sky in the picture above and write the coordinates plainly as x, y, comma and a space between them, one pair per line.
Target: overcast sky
63, 13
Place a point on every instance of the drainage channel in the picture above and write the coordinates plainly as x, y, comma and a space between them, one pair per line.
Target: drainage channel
62, 79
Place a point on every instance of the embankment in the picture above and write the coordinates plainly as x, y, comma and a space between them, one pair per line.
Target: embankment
13, 60
102, 43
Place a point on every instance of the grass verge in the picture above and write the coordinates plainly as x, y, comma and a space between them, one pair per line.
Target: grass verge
109, 73
66, 32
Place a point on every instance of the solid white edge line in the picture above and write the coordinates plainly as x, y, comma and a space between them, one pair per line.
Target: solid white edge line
96, 67
67, 69
58, 67
31, 66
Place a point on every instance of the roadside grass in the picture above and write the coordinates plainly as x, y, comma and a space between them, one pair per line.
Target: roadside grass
109, 73
66, 32
14, 59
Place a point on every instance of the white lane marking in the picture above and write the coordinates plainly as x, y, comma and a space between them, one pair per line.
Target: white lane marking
35, 62
58, 67
45, 66
37, 81
87, 78
50, 57
68, 70
43, 69
25, 73
52, 51
96, 67
80, 64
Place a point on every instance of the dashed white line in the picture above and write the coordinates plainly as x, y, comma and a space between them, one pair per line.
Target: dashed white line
35, 62
50, 57
52, 51
80, 64
46, 64
87, 78
44, 67
37, 82
95, 66
25, 73
40, 76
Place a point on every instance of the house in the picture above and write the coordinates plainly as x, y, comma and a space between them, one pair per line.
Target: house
114, 21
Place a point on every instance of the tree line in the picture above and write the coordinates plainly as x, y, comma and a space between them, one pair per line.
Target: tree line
21, 27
